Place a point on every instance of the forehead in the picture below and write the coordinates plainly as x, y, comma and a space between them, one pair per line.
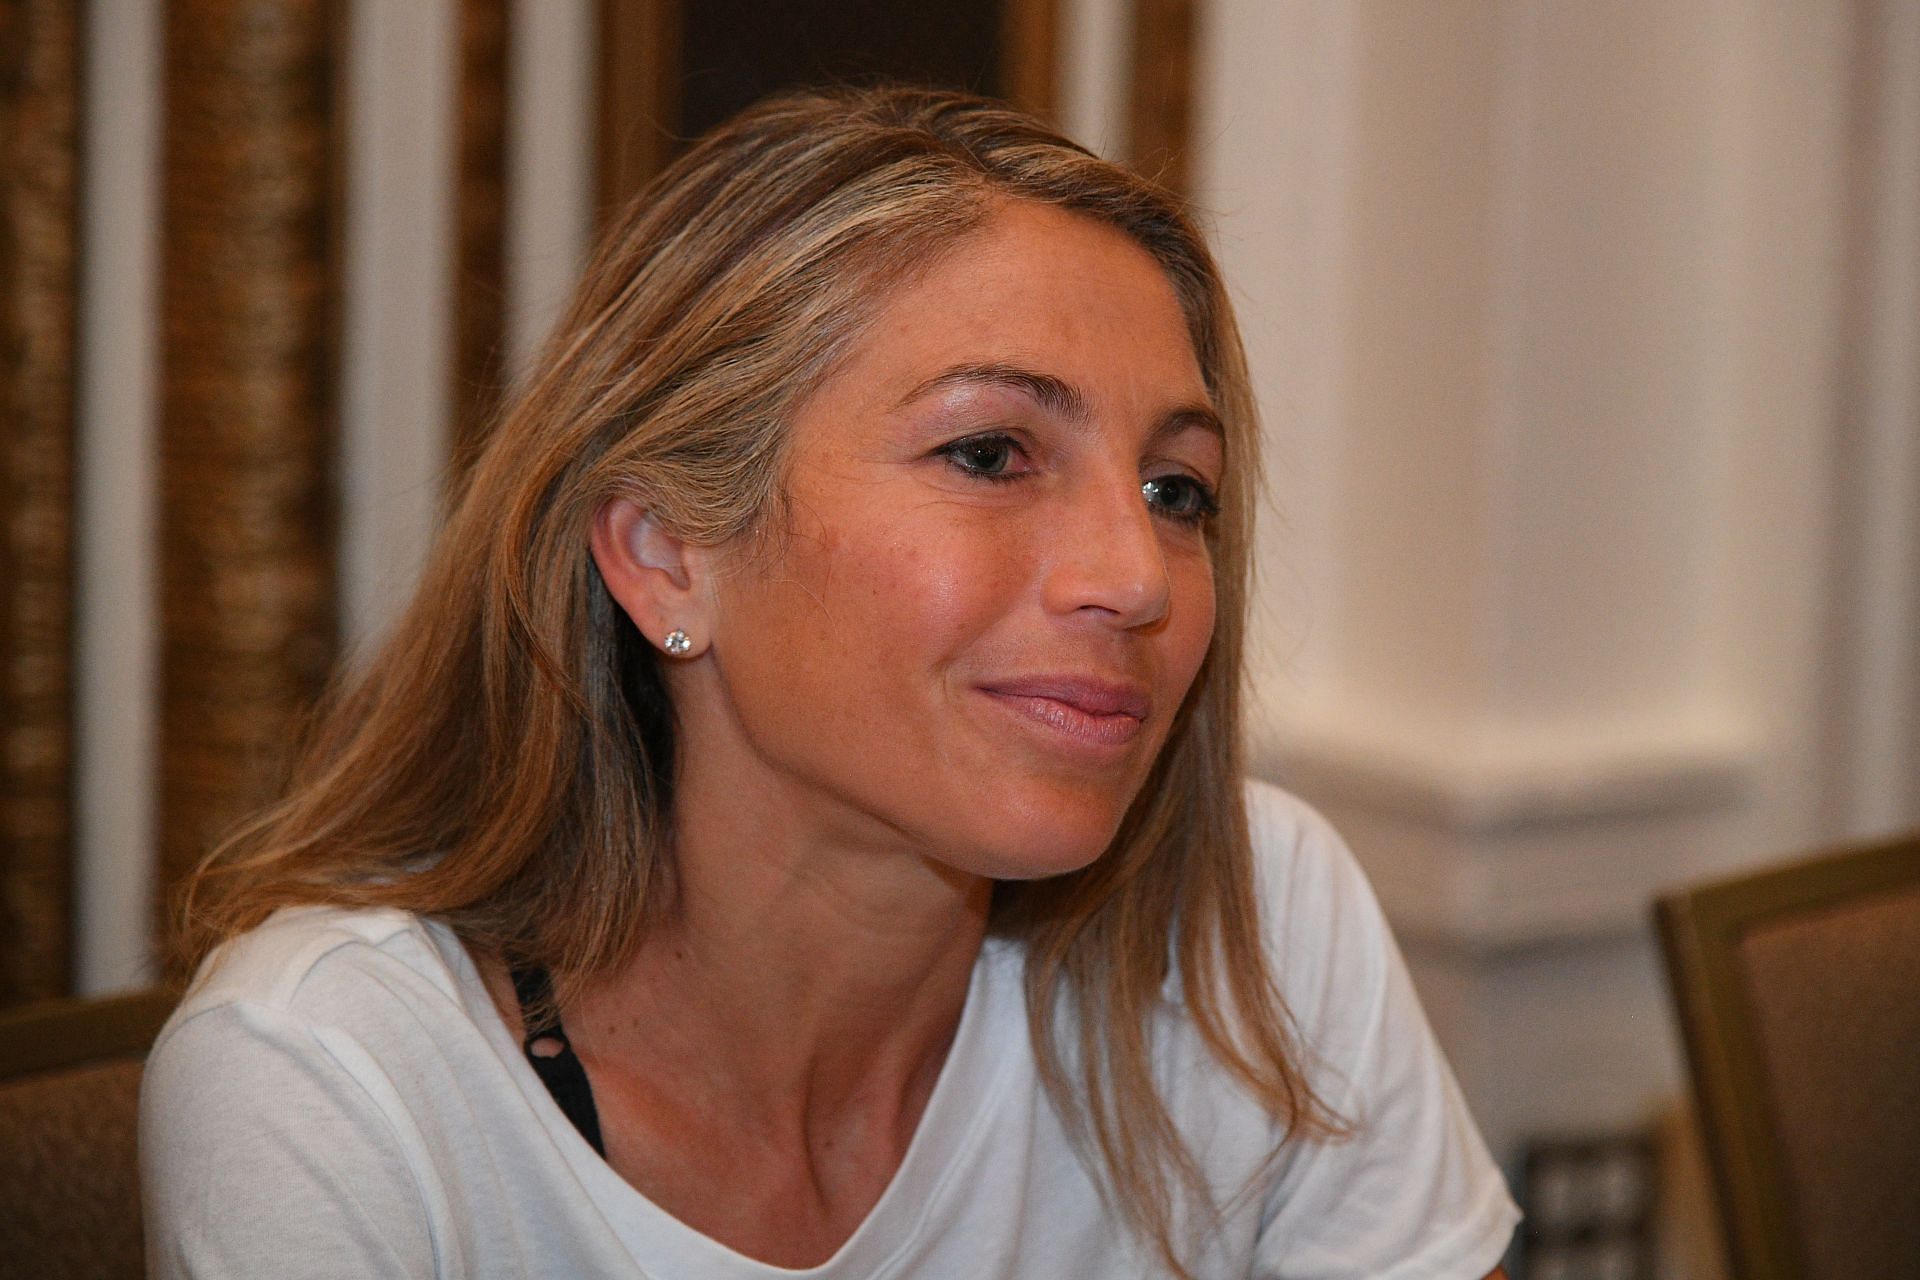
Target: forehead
1035, 287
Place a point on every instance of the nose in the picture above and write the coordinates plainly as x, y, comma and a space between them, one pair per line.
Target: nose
1107, 558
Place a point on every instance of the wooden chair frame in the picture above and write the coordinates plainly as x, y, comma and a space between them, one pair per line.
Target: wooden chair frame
1700, 931
54, 1034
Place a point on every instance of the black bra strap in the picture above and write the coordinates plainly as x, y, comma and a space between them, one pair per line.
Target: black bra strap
562, 1073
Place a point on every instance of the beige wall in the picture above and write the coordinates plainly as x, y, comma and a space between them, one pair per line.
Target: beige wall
1586, 336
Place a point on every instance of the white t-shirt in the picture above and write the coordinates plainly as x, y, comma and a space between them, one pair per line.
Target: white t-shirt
341, 1098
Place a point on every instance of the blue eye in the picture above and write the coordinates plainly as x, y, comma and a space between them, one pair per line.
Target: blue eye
1180, 498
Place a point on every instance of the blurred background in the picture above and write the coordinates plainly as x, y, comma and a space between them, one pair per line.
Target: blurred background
1588, 343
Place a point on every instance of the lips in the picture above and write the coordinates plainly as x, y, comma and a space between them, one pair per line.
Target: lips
1091, 714
1091, 696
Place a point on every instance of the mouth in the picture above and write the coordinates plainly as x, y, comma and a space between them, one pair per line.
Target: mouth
1099, 717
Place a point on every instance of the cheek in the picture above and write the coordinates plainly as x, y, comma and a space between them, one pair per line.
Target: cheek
877, 605
926, 589
1195, 611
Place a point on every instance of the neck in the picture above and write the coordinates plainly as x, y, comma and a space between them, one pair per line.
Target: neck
810, 973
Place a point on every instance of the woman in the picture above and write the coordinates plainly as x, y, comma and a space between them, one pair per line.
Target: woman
797, 827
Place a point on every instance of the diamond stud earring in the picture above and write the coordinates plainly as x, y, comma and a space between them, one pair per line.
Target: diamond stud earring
677, 643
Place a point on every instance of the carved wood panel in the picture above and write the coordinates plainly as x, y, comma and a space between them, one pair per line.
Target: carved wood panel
249, 300
40, 53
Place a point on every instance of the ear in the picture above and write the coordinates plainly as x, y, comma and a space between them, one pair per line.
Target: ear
659, 580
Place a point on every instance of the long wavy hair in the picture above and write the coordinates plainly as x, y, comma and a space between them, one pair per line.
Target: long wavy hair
505, 761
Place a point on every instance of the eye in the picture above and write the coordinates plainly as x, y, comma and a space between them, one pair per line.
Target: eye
991, 457
1180, 498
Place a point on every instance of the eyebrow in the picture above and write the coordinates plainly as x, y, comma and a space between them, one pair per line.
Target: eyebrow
1057, 396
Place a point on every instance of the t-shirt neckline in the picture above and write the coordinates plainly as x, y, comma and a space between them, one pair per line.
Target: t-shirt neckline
946, 1138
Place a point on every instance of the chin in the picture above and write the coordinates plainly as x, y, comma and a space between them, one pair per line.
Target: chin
1052, 837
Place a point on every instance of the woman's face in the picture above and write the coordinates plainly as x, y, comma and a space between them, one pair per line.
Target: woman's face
995, 590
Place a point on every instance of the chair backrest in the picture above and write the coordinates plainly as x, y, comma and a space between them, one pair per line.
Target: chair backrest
69, 1103
1799, 996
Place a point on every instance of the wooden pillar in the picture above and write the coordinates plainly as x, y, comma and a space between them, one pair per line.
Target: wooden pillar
1161, 105
1030, 54
639, 96
480, 233
248, 298
40, 49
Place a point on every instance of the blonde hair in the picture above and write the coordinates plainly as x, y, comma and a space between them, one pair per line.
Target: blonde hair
505, 761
